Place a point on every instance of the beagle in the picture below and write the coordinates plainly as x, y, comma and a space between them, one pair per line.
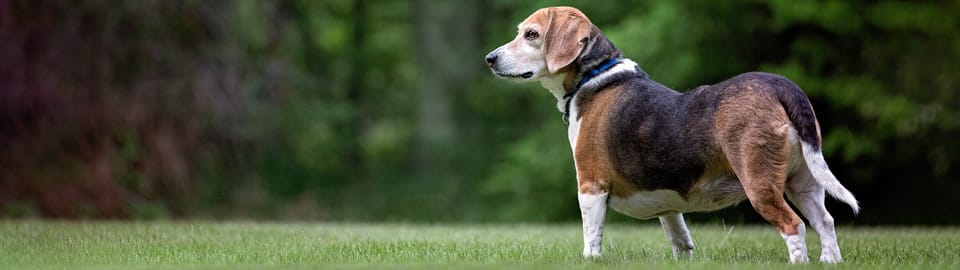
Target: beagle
648, 151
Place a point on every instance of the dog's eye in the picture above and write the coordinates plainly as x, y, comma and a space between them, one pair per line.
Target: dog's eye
531, 35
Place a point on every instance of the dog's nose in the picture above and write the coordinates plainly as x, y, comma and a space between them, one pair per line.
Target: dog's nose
491, 58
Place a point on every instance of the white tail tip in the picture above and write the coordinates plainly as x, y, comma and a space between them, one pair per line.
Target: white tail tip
820, 171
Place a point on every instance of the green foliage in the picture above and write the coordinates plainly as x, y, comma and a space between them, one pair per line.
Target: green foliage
532, 181
384, 110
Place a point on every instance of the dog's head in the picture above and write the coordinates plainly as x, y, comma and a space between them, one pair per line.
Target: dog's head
551, 41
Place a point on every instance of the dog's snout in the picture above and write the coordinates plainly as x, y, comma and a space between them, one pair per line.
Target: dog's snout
492, 58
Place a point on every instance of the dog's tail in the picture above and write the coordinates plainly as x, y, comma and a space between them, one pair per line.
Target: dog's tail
798, 108
818, 168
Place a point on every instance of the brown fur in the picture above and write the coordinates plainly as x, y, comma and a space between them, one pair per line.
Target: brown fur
749, 133
660, 153
740, 136
567, 30
594, 171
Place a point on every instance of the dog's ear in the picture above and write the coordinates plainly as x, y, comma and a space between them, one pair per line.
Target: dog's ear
597, 49
566, 36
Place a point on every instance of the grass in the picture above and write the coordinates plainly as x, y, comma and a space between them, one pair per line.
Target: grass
116, 245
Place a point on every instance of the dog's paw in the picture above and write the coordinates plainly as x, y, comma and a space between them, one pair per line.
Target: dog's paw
799, 259
683, 250
591, 254
830, 256
683, 253
796, 247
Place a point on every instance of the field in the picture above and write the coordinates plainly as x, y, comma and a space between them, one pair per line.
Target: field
172, 245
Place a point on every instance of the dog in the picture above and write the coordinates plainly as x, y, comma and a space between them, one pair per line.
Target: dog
648, 151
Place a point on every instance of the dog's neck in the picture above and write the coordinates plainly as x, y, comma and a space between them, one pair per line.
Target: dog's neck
562, 83
558, 85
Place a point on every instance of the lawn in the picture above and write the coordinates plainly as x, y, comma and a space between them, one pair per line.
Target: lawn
205, 245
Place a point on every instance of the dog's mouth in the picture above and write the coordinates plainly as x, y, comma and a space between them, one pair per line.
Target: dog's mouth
525, 75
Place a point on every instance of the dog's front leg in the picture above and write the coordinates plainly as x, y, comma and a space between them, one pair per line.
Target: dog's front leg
593, 209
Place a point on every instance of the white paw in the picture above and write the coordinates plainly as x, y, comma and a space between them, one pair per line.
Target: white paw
830, 256
796, 246
591, 254
798, 254
798, 258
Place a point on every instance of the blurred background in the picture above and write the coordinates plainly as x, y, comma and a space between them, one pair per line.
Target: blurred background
353, 110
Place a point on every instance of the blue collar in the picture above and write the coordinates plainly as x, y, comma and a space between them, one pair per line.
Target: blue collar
586, 77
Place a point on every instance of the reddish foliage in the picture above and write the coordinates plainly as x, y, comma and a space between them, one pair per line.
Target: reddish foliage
81, 84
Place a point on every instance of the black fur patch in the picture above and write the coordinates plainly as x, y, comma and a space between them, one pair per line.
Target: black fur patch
659, 138
597, 50
662, 139
797, 105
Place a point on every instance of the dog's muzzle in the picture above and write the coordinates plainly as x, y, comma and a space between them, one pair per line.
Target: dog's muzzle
491, 59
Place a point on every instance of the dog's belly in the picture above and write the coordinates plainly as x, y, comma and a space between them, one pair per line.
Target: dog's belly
714, 195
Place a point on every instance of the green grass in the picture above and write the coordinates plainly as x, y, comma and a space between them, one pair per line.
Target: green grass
69, 245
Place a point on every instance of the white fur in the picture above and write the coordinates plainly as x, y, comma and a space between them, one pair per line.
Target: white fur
593, 209
650, 204
520, 56
678, 234
820, 171
625, 65
573, 129
807, 190
554, 84
808, 196
796, 245
808, 193
795, 161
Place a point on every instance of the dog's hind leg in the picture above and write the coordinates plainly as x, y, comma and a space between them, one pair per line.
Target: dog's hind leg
804, 191
678, 234
759, 160
767, 198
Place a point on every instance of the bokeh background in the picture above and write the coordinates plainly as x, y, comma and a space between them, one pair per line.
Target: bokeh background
353, 110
